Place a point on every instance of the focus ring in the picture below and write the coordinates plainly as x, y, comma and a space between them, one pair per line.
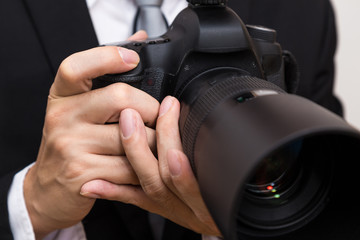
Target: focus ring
206, 103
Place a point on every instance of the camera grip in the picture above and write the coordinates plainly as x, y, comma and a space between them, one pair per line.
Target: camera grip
150, 81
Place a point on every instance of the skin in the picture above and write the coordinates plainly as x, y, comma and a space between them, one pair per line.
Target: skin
167, 184
82, 157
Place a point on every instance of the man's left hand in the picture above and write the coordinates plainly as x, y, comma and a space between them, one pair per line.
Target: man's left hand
168, 186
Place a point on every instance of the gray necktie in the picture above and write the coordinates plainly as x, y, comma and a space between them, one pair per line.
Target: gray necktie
150, 18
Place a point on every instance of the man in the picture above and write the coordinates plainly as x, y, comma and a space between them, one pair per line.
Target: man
59, 193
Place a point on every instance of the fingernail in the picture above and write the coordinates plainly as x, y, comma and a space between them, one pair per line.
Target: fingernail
166, 105
129, 57
127, 123
174, 163
90, 195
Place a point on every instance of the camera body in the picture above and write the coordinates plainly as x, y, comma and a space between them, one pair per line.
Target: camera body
199, 45
196, 43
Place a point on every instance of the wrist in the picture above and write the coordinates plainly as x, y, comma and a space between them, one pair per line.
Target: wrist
39, 223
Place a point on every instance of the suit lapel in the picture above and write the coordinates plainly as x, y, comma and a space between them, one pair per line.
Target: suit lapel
136, 221
63, 28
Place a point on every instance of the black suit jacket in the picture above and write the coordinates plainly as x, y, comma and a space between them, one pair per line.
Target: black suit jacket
37, 35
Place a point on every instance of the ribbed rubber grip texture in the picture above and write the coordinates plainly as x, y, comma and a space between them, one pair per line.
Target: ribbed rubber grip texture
205, 104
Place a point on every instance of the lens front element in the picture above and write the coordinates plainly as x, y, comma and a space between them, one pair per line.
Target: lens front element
276, 175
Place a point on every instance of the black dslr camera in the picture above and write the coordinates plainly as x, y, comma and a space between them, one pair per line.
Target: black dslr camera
264, 158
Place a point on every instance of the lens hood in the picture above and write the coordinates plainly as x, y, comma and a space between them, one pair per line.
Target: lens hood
236, 137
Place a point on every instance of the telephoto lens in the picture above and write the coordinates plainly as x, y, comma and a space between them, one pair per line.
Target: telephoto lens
264, 171
269, 163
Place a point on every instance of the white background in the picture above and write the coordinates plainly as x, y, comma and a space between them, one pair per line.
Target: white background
347, 86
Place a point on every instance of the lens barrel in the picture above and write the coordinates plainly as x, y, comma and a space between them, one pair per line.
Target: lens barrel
264, 159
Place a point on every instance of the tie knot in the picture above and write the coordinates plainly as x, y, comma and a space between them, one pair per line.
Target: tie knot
150, 18
142, 3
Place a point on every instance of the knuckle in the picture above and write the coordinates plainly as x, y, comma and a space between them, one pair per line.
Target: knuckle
167, 180
53, 119
154, 189
119, 93
165, 175
130, 199
61, 145
58, 117
73, 169
68, 70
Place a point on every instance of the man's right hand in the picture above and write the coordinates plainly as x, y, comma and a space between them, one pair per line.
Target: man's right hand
78, 143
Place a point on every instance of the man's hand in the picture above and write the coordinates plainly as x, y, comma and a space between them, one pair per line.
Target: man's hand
168, 186
78, 143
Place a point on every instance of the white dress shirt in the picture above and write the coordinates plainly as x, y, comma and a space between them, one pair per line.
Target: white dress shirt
113, 19
113, 22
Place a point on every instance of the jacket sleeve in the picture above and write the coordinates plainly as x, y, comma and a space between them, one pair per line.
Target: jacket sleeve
5, 183
307, 29
323, 85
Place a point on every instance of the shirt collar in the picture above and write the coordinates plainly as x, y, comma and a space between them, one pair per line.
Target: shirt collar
91, 3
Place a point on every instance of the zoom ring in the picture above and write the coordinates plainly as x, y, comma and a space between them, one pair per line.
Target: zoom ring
228, 88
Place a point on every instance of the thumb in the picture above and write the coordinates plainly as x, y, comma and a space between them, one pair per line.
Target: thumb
76, 72
97, 189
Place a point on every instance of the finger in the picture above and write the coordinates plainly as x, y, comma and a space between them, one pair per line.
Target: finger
129, 194
104, 105
135, 195
188, 190
175, 168
134, 141
146, 167
138, 36
76, 72
141, 158
167, 134
115, 169
105, 139
184, 180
